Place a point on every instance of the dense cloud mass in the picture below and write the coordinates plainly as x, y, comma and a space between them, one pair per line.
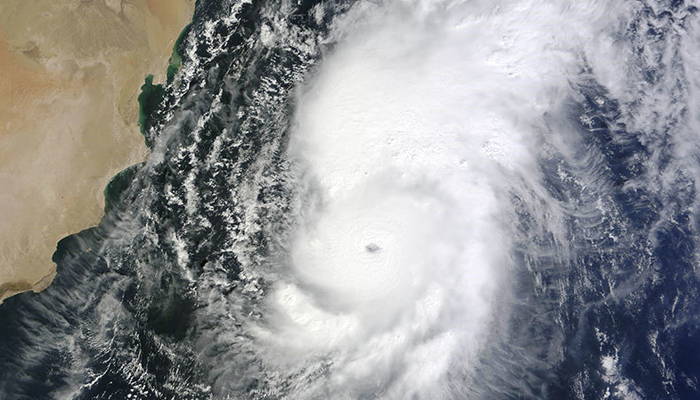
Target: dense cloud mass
409, 141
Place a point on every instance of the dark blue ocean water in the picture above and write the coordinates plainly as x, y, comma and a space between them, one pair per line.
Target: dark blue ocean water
147, 305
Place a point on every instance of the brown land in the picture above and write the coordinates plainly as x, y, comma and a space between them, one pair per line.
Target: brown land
70, 74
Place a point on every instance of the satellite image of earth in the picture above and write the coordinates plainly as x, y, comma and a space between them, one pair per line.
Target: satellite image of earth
349, 199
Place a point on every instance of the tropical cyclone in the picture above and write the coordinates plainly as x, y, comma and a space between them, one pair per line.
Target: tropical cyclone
70, 73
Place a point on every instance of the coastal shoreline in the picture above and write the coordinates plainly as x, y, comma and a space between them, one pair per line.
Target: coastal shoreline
70, 75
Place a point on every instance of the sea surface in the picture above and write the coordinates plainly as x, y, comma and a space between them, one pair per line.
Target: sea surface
393, 200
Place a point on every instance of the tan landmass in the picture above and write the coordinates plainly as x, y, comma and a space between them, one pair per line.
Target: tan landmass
70, 75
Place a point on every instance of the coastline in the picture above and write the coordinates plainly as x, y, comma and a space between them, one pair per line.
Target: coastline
70, 75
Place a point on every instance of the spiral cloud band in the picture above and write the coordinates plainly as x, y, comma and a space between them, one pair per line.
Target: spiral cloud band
409, 140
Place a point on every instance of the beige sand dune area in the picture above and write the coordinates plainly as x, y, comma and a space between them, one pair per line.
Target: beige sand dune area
70, 75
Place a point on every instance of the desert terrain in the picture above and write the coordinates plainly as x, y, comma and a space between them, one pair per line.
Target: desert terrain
70, 75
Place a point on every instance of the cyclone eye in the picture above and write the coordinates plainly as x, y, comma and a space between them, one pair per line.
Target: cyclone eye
372, 248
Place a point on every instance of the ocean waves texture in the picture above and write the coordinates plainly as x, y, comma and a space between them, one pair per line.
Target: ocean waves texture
394, 200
